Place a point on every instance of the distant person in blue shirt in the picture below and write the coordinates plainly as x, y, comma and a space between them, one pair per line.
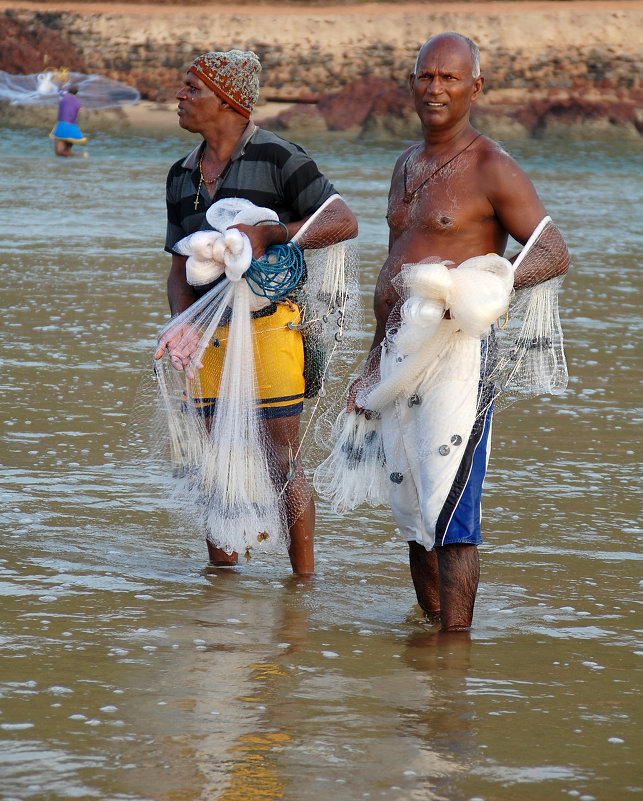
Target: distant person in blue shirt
66, 132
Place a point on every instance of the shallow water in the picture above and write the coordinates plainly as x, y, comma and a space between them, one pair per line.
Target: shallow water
126, 672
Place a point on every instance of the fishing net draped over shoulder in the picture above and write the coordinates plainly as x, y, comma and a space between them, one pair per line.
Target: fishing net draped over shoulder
262, 326
517, 331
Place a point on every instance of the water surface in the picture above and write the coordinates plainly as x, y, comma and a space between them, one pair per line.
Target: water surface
127, 672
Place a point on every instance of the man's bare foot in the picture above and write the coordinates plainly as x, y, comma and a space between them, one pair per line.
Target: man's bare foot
219, 558
433, 617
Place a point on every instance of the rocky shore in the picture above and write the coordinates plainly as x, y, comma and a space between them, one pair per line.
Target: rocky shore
551, 68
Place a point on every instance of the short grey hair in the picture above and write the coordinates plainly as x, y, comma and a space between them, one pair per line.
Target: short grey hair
474, 50
475, 56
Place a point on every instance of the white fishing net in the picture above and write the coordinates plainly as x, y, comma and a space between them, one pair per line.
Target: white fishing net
530, 357
43, 89
238, 476
458, 342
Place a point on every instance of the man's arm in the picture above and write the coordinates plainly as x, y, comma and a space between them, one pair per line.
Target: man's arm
265, 235
332, 223
519, 210
182, 340
180, 294
336, 223
382, 304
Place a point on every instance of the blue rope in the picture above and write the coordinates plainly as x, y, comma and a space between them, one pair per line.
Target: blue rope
277, 273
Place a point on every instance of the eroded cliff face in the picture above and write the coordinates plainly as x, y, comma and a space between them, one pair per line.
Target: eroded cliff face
547, 65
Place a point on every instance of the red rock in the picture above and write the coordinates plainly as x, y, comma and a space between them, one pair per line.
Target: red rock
28, 48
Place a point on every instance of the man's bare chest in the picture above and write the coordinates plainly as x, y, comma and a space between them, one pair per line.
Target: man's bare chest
437, 211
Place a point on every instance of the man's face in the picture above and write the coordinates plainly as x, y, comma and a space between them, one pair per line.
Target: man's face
198, 104
443, 85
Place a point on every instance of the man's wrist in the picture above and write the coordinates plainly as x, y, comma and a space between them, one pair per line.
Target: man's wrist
286, 234
275, 237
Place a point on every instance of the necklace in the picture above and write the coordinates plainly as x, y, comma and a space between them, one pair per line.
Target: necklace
408, 196
204, 180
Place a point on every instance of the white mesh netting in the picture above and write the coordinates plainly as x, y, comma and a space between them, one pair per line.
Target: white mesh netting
43, 89
458, 342
238, 476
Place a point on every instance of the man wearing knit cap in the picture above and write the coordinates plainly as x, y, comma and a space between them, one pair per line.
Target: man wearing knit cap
233, 76
237, 159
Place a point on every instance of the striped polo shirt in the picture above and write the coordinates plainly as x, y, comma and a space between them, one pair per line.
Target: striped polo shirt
264, 168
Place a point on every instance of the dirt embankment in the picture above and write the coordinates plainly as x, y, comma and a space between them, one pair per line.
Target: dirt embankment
550, 67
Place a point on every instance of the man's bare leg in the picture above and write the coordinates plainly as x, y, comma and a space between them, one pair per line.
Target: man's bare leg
459, 573
424, 572
219, 558
301, 549
300, 507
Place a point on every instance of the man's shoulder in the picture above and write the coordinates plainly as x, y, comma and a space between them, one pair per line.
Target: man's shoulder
186, 162
265, 139
176, 167
407, 152
492, 153
495, 166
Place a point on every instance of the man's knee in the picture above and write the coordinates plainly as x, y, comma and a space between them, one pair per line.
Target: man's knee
283, 444
457, 552
418, 554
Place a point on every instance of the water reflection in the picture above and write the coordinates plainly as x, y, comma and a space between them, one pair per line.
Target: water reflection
128, 672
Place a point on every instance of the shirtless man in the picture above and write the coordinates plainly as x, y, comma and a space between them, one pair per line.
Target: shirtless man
453, 196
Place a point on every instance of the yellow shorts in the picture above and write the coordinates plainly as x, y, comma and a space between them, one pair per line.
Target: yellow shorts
279, 365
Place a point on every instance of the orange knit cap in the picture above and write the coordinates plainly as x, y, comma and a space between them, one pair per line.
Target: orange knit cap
233, 76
